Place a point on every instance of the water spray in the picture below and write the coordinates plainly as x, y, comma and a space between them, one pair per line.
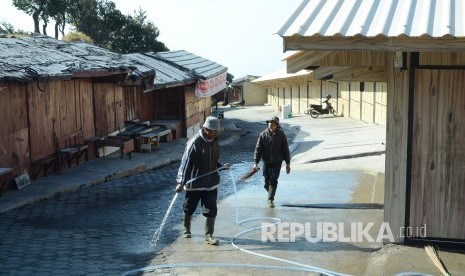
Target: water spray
298, 266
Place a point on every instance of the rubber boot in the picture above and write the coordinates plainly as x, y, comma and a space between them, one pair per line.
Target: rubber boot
271, 193
187, 226
209, 228
270, 203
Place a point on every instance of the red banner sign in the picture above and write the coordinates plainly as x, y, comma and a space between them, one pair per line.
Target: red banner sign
209, 87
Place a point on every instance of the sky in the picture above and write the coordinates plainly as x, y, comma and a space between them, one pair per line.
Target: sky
239, 34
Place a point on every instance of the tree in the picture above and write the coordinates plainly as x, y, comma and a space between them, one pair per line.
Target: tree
100, 20
45, 10
112, 30
32, 7
6, 28
58, 10
137, 35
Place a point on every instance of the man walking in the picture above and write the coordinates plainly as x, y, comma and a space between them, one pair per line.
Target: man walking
200, 162
273, 149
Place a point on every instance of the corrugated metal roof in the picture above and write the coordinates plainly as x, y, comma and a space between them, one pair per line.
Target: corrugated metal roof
166, 75
199, 66
282, 74
26, 59
246, 78
372, 18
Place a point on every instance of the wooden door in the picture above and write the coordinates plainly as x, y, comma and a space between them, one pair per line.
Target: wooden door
109, 108
437, 200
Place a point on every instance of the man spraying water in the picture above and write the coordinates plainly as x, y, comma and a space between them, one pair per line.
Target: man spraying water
198, 176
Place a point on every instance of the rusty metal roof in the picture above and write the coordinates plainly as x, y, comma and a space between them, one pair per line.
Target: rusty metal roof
26, 59
377, 18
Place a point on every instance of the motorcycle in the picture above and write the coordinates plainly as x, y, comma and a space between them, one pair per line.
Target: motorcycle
316, 109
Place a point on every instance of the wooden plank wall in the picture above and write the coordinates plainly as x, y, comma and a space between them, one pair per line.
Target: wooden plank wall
315, 92
396, 139
355, 101
86, 108
148, 105
396, 146
304, 99
254, 94
303, 94
109, 108
295, 102
139, 104
197, 109
343, 101
286, 92
132, 99
438, 154
277, 100
14, 133
380, 103
269, 96
368, 102
63, 108
169, 104
368, 105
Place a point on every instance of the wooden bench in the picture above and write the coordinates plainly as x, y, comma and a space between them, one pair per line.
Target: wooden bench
150, 139
135, 131
43, 165
6, 175
72, 148
124, 143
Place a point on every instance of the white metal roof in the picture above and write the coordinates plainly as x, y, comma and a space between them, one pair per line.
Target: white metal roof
282, 74
373, 18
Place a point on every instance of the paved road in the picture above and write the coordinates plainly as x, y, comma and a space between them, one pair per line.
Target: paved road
105, 229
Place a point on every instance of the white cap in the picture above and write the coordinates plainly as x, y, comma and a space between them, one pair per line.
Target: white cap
212, 123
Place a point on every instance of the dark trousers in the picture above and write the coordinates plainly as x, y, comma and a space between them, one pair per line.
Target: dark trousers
207, 200
271, 175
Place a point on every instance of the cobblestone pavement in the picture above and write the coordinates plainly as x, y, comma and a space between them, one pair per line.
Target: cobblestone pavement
105, 229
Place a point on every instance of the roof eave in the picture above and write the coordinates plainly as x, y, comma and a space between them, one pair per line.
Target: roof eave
390, 44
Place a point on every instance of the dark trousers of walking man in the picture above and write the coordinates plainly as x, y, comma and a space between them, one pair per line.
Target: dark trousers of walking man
273, 149
271, 175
